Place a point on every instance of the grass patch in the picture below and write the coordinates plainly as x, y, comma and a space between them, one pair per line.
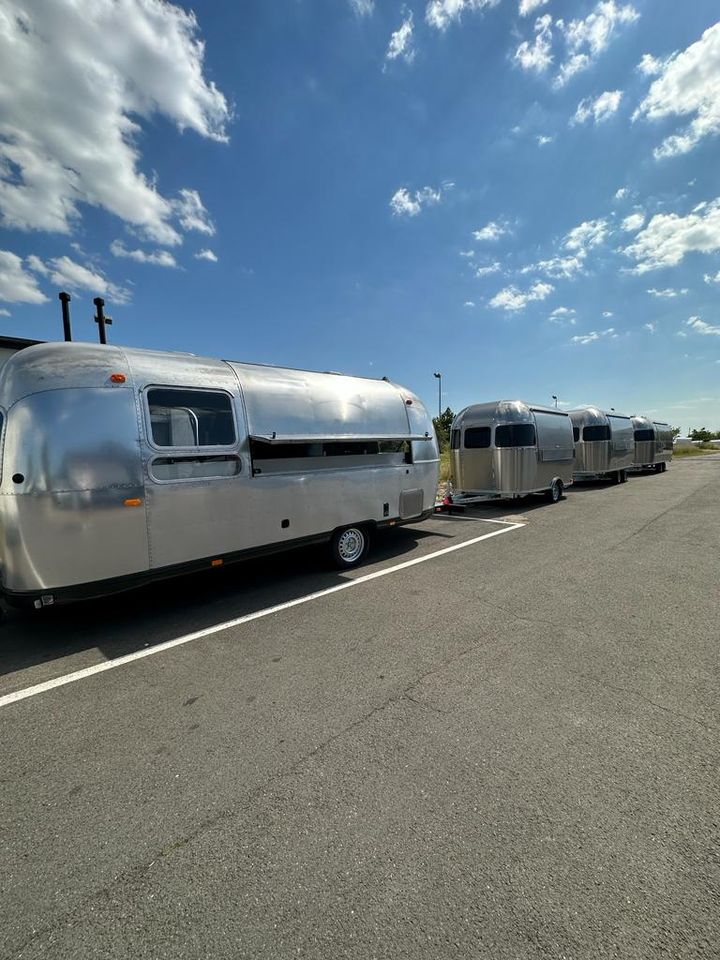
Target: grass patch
694, 451
444, 466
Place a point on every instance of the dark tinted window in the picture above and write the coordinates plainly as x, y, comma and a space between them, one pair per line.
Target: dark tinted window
644, 435
190, 418
515, 435
455, 440
477, 438
598, 432
576, 434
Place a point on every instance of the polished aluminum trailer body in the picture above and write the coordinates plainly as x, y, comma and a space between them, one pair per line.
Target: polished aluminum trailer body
604, 443
508, 448
124, 464
653, 444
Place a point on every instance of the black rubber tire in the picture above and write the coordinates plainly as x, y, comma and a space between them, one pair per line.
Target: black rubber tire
554, 494
623, 476
349, 546
663, 466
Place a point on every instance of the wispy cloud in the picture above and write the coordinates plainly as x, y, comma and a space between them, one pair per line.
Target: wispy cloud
513, 299
488, 269
158, 258
563, 315
206, 254
587, 38
441, 13
66, 273
403, 203
708, 278
668, 293
589, 234
652, 327
585, 338
700, 326
363, 8
557, 268
401, 41
599, 109
537, 56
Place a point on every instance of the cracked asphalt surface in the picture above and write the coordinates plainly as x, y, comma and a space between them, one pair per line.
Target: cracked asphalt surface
510, 751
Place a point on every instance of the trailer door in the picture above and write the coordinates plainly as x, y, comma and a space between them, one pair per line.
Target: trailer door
195, 474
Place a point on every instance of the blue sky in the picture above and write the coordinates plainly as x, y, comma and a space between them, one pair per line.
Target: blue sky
523, 195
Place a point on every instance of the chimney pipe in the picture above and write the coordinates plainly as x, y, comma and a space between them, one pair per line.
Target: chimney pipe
101, 320
64, 299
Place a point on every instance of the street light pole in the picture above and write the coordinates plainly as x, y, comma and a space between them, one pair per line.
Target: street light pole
439, 380
556, 400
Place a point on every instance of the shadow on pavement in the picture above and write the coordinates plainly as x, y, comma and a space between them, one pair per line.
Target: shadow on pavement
160, 611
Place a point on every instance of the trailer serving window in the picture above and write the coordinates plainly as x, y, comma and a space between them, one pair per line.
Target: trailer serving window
515, 435
190, 418
301, 456
477, 438
598, 431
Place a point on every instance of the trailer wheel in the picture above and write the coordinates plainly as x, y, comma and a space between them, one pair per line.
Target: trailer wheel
554, 494
623, 476
349, 546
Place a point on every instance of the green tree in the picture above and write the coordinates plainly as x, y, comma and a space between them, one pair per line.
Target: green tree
675, 432
702, 434
442, 426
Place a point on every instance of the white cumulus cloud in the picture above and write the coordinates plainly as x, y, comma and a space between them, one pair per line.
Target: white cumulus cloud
688, 86
633, 222
73, 276
557, 268
650, 66
586, 39
598, 109
441, 13
492, 231
91, 71
159, 258
530, 6
668, 237
513, 299
16, 284
206, 255
537, 55
708, 278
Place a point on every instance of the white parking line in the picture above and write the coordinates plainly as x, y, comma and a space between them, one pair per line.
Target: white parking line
208, 631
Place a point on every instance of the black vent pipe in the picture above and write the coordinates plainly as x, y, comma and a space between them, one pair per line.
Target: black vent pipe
101, 320
65, 301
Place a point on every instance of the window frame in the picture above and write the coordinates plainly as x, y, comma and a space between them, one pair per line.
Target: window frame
515, 446
204, 448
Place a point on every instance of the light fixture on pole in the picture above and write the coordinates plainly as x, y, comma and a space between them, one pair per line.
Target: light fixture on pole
439, 380
556, 400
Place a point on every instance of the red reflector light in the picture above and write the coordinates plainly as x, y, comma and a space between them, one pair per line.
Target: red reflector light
117, 378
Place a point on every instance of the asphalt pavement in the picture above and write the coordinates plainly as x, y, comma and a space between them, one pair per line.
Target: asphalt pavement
507, 750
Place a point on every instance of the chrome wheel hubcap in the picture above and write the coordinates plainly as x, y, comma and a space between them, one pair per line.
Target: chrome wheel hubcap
351, 545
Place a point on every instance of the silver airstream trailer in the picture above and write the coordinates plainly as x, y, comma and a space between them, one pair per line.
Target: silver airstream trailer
653, 444
604, 444
124, 465
508, 449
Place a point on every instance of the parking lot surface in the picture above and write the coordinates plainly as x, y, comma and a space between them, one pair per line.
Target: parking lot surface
507, 750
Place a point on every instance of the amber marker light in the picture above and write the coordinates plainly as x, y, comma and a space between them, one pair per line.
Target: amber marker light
133, 502
117, 378
216, 563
